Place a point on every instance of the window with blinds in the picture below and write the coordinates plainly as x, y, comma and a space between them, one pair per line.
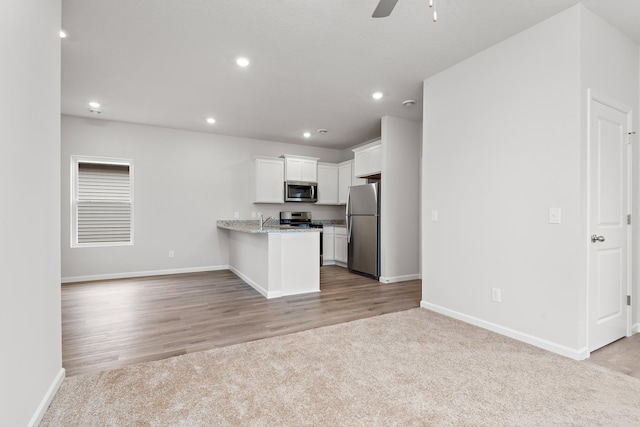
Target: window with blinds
103, 203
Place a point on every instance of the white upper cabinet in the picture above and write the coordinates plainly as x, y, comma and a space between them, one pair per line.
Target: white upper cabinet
344, 181
327, 184
347, 178
368, 159
300, 168
269, 174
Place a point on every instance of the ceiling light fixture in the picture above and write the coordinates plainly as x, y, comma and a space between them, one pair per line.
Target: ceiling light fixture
408, 103
211, 120
242, 61
94, 107
307, 134
377, 95
63, 34
322, 131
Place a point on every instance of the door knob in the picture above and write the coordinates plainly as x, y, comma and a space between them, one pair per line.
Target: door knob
596, 238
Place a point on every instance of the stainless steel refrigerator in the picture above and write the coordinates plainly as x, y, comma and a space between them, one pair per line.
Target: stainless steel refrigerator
363, 229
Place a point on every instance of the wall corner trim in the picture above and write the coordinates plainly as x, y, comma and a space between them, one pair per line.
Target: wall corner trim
395, 279
127, 275
572, 353
46, 400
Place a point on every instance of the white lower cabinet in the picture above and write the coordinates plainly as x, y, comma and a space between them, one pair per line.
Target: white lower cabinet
328, 245
340, 250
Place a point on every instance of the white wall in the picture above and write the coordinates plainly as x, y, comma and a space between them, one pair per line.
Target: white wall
31, 361
400, 204
610, 66
501, 146
184, 182
504, 141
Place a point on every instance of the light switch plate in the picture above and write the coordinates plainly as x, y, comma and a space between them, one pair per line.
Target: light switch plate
554, 215
434, 216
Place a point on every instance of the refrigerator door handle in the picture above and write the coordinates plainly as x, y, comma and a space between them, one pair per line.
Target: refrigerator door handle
349, 227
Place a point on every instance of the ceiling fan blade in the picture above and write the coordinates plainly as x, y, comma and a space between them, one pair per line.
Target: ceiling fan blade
384, 8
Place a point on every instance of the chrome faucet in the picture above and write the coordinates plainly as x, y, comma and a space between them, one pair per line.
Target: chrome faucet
263, 222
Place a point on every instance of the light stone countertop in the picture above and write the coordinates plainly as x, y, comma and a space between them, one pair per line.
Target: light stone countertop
252, 226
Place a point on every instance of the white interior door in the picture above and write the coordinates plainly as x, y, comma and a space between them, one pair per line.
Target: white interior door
608, 229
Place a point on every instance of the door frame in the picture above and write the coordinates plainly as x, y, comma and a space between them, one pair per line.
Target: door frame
595, 96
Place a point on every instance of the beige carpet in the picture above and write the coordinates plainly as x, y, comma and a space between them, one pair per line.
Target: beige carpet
409, 368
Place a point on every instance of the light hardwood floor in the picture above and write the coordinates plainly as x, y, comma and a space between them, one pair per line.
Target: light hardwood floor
114, 323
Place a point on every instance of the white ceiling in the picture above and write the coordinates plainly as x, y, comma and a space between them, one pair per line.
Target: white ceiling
314, 65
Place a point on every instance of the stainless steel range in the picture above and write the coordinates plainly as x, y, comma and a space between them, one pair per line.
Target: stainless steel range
303, 220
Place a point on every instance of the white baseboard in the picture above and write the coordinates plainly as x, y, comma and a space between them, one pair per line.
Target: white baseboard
46, 400
254, 285
635, 328
572, 353
396, 279
142, 273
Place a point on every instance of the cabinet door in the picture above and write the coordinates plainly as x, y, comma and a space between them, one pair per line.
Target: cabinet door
341, 244
327, 184
328, 245
368, 161
344, 182
294, 169
361, 163
309, 170
375, 160
269, 181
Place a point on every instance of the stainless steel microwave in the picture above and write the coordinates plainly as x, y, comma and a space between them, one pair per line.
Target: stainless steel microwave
296, 191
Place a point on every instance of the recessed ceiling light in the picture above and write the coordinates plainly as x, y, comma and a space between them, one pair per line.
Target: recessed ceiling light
63, 34
242, 61
211, 120
377, 95
322, 131
94, 104
307, 134
409, 103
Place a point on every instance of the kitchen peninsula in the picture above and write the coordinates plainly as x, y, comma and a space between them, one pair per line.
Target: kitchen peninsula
275, 260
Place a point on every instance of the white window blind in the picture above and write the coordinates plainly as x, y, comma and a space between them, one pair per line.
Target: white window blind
103, 203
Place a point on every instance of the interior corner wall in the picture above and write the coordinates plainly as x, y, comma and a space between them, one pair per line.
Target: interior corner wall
501, 145
400, 205
610, 67
636, 213
30, 325
183, 183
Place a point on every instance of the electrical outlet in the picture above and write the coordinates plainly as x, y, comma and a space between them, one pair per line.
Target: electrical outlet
236, 215
434, 216
253, 214
496, 295
554, 215
171, 254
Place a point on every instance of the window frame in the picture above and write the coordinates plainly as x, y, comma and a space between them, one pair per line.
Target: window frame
74, 183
